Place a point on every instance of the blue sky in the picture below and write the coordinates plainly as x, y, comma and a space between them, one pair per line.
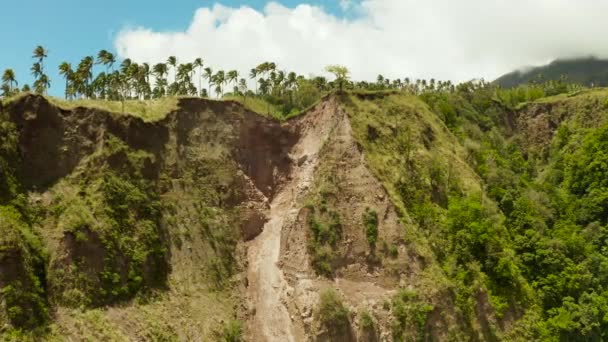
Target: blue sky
72, 29
395, 38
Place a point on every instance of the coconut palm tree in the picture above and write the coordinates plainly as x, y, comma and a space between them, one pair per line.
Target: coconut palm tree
84, 73
198, 63
172, 61
160, 70
124, 66
253, 74
65, 70
36, 70
42, 84
40, 53
219, 79
8, 78
143, 80
264, 86
242, 87
106, 58
6, 90
232, 76
184, 79
209, 76
41, 80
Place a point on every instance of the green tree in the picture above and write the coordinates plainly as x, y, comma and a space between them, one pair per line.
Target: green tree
219, 79
65, 70
9, 79
198, 63
253, 74
172, 61
160, 71
209, 76
341, 74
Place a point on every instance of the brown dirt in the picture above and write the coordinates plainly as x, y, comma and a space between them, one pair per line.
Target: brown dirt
283, 288
268, 290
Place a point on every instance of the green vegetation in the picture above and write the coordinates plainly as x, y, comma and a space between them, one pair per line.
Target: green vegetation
326, 230
370, 221
366, 320
233, 331
332, 313
409, 311
503, 196
148, 110
111, 215
519, 217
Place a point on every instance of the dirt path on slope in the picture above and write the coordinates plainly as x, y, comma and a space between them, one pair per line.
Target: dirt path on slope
268, 290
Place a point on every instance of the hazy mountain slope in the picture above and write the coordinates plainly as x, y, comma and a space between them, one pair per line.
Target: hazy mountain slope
585, 71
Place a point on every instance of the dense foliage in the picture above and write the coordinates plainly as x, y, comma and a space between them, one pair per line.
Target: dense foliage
541, 252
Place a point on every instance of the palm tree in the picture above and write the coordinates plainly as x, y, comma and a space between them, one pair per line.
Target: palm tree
160, 70
242, 88
172, 61
232, 76
42, 84
36, 70
84, 73
40, 53
124, 66
253, 74
219, 79
198, 63
65, 70
6, 90
264, 86
8, 78
209, 76
106, 58
143, 80
183, 83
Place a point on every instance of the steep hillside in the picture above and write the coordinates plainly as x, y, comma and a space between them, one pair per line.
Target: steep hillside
373, 216
118, 211
585, 71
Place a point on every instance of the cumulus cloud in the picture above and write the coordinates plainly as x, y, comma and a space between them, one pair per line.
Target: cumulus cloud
444, 39
345, 4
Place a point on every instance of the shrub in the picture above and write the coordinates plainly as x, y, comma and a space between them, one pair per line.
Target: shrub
233, 331
393, 251
332, 312
370, 220
326, 231
366, 320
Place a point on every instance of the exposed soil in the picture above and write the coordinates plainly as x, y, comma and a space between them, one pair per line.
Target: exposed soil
283, 287
268, 289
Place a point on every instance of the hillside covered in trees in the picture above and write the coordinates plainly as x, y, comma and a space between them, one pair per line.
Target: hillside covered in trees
588, 72
137, 208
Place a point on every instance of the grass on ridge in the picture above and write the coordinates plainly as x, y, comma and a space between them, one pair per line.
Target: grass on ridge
148, 110
257, 105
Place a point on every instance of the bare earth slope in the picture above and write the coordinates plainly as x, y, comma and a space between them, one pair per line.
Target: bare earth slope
268, 288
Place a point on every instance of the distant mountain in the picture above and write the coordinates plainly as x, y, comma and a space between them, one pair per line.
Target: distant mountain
586, 71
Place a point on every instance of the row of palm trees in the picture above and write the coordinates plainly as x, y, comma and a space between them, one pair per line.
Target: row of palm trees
132, 80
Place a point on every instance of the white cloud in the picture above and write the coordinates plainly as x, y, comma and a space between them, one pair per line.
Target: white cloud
445, 39
345, 4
